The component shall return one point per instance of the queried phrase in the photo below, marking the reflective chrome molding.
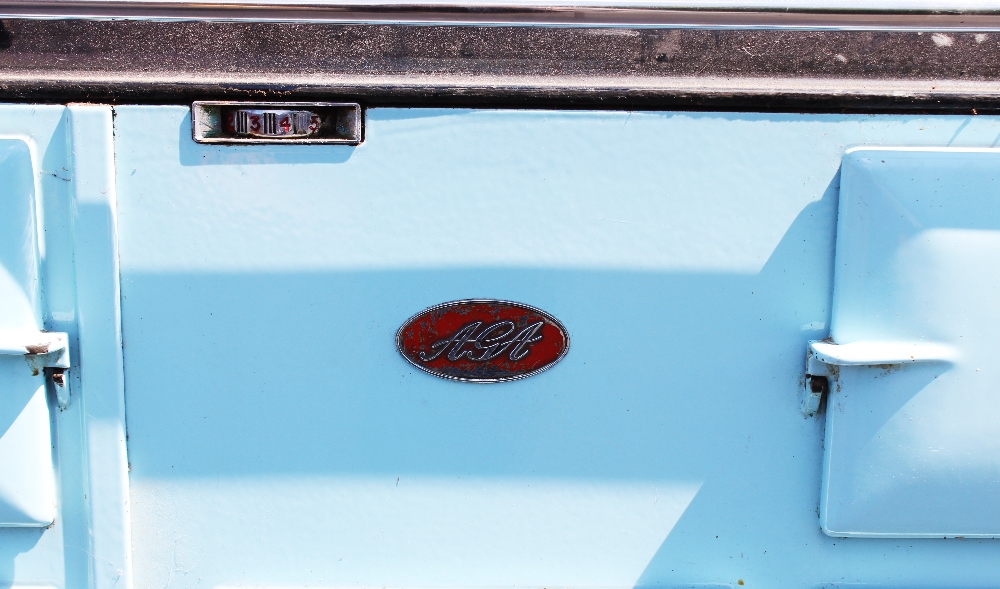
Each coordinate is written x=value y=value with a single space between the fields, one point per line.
x=956 y=15
x=276 y=122
x=668 y=67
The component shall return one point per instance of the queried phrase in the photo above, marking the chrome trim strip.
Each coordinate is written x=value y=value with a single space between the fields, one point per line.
x=499 y=67
x=506 y=14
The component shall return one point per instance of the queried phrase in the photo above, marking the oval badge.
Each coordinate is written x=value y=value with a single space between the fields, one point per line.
x=482 y=340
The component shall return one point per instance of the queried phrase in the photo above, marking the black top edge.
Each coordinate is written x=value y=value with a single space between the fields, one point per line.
x=142 y=61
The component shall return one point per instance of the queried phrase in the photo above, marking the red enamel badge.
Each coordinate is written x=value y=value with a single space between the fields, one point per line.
x=482 y=340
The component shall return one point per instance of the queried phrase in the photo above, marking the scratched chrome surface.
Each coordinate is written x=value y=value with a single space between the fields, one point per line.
x=827 y=14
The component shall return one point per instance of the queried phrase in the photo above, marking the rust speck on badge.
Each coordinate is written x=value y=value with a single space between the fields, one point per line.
x=482 y=340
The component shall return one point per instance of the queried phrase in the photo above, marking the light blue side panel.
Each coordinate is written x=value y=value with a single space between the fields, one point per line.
x=277 y=439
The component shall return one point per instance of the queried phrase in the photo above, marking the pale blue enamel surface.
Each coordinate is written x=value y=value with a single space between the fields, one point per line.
x=912 y=450
x=73 y=289
x=56 y=556
x=27 y=485
x=19 y=285
x=100 y=374
x=278 y=440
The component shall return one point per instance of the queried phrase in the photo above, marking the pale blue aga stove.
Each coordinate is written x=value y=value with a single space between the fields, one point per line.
x=486 y=295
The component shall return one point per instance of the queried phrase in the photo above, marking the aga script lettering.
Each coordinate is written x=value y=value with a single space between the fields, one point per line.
x=492 y=342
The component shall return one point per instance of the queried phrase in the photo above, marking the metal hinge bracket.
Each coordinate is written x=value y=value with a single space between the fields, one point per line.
x=824 y=359
x=44 y=351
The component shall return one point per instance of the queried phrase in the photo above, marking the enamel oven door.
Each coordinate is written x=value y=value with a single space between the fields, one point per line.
x=27 y=483
x=912 y=444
